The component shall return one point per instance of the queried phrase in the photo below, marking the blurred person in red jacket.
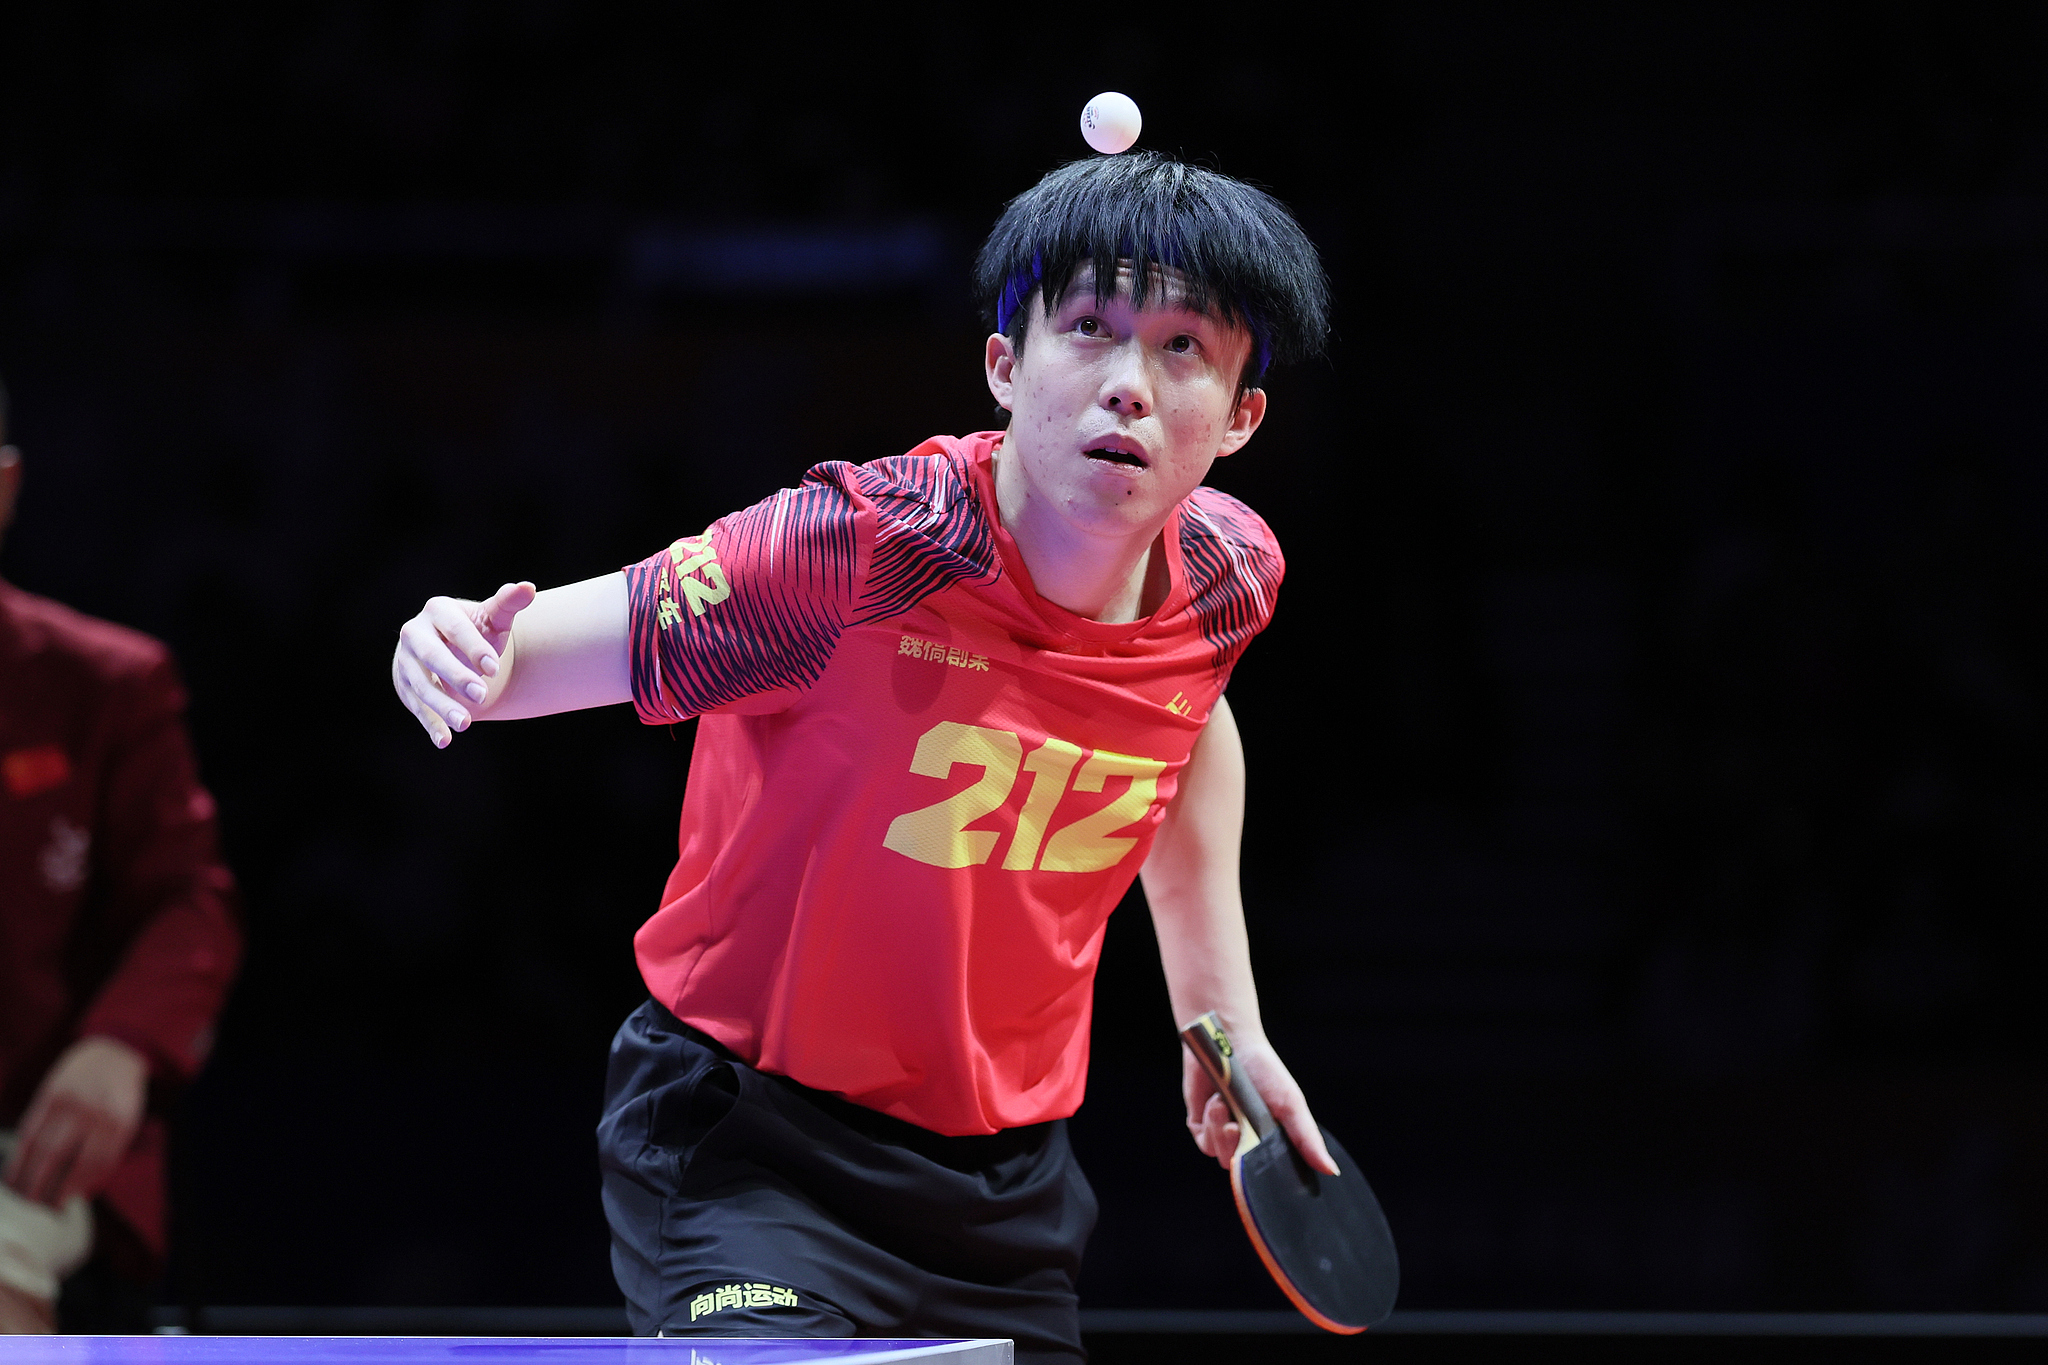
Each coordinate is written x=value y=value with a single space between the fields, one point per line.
x=118 y=940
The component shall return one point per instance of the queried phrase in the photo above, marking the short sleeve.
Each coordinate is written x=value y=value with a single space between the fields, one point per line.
x=747 y=615
x=1234 y=568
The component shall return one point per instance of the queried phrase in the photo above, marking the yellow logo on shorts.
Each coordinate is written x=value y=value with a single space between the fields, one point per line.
x=741 y=1296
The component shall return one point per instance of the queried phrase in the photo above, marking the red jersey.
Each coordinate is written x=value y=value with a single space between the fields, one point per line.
x=918 y=788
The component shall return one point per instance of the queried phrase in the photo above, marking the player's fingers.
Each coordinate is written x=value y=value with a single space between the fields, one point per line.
x=446 y=711
x=446 y=642
x=1196 y=1091
x=459 y=626
x=1219 y=1131
x=1209 y=1117
x=434 y=688
x=1291 y=1110
x=420 y=683
x=1227 y=1133
x=1308 y=1140
x=403 y=670
x=409 y=694
x=428 y=640
x=506 y=603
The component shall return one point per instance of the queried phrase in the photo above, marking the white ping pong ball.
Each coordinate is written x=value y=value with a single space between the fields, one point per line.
x=1111 y=122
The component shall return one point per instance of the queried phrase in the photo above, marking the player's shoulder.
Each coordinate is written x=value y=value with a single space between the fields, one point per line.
x=934 y=477
x=1213 y=523
x=1233 y=570
x=915 y=512
x=926 y=494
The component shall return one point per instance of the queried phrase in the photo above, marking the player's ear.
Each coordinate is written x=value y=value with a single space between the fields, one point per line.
x=1244 y=420
x=999 y=360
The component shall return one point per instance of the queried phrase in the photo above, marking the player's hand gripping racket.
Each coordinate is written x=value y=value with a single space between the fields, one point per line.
x=1323 y=1237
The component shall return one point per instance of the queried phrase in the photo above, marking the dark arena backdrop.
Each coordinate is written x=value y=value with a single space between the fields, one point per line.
x=1648 y=847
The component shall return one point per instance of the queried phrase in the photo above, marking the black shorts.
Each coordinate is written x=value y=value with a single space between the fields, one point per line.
x=743 y=1204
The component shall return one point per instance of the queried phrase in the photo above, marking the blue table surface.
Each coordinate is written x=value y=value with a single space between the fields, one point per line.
x=240 y=1350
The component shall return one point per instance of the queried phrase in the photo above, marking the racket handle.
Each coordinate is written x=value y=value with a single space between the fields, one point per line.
x=1211 y=1046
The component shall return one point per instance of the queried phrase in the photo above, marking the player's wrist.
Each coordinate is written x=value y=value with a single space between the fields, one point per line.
x=1241 y=1022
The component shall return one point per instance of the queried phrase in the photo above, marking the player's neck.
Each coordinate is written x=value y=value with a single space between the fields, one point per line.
x=1117 y=596
x=1104 y=578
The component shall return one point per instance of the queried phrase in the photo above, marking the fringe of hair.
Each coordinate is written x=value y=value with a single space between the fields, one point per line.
x=1238 y=252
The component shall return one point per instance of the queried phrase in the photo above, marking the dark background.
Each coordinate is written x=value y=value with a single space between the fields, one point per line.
x=1645 y=852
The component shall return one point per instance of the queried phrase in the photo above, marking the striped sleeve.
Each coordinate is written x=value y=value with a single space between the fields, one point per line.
x=748 y=614
x=929 y=532
x=1234 y=568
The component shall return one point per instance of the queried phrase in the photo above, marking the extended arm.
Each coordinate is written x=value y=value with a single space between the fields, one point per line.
x=1198 y=913
x=518 y=653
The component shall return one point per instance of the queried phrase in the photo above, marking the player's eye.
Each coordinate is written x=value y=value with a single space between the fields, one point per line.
x=1181 y=345
x=1089 y=327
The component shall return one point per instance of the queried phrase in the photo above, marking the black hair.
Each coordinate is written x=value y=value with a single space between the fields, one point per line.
x=1239 y=253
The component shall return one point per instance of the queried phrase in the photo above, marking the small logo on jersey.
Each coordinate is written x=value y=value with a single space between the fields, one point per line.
x=29 y=771
x=692 y=555
x=1180 y=705
x=942 y=654
x=741 y=1296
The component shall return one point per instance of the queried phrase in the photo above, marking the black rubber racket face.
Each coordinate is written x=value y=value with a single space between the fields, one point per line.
x=1322 y=1237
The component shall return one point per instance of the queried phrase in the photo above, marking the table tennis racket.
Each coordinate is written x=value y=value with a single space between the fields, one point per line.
x=1322 y=1237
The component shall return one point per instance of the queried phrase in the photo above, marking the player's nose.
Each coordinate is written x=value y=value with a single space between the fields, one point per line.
x=1129 y=389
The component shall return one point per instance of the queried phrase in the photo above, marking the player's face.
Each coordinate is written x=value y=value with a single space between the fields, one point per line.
x=1116 y=413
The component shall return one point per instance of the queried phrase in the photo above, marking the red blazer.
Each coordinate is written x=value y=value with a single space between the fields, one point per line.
x=117 y=916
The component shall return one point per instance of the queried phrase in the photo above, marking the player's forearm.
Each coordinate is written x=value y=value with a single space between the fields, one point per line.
x=567 y=652
x=1207 y=960
x=1191 y=884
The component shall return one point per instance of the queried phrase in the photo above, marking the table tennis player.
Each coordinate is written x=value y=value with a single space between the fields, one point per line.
x=118 y=941
x=950 y=703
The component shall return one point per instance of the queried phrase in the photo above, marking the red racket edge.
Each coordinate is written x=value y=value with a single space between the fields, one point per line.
x=1251 y=1228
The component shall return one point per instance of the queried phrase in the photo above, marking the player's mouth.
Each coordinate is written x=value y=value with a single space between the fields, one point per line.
x=1119 y=452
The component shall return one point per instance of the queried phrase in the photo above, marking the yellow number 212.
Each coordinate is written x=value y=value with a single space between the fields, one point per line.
x=938 y=834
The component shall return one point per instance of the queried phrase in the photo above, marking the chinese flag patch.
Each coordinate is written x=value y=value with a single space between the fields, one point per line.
x=28 y=771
